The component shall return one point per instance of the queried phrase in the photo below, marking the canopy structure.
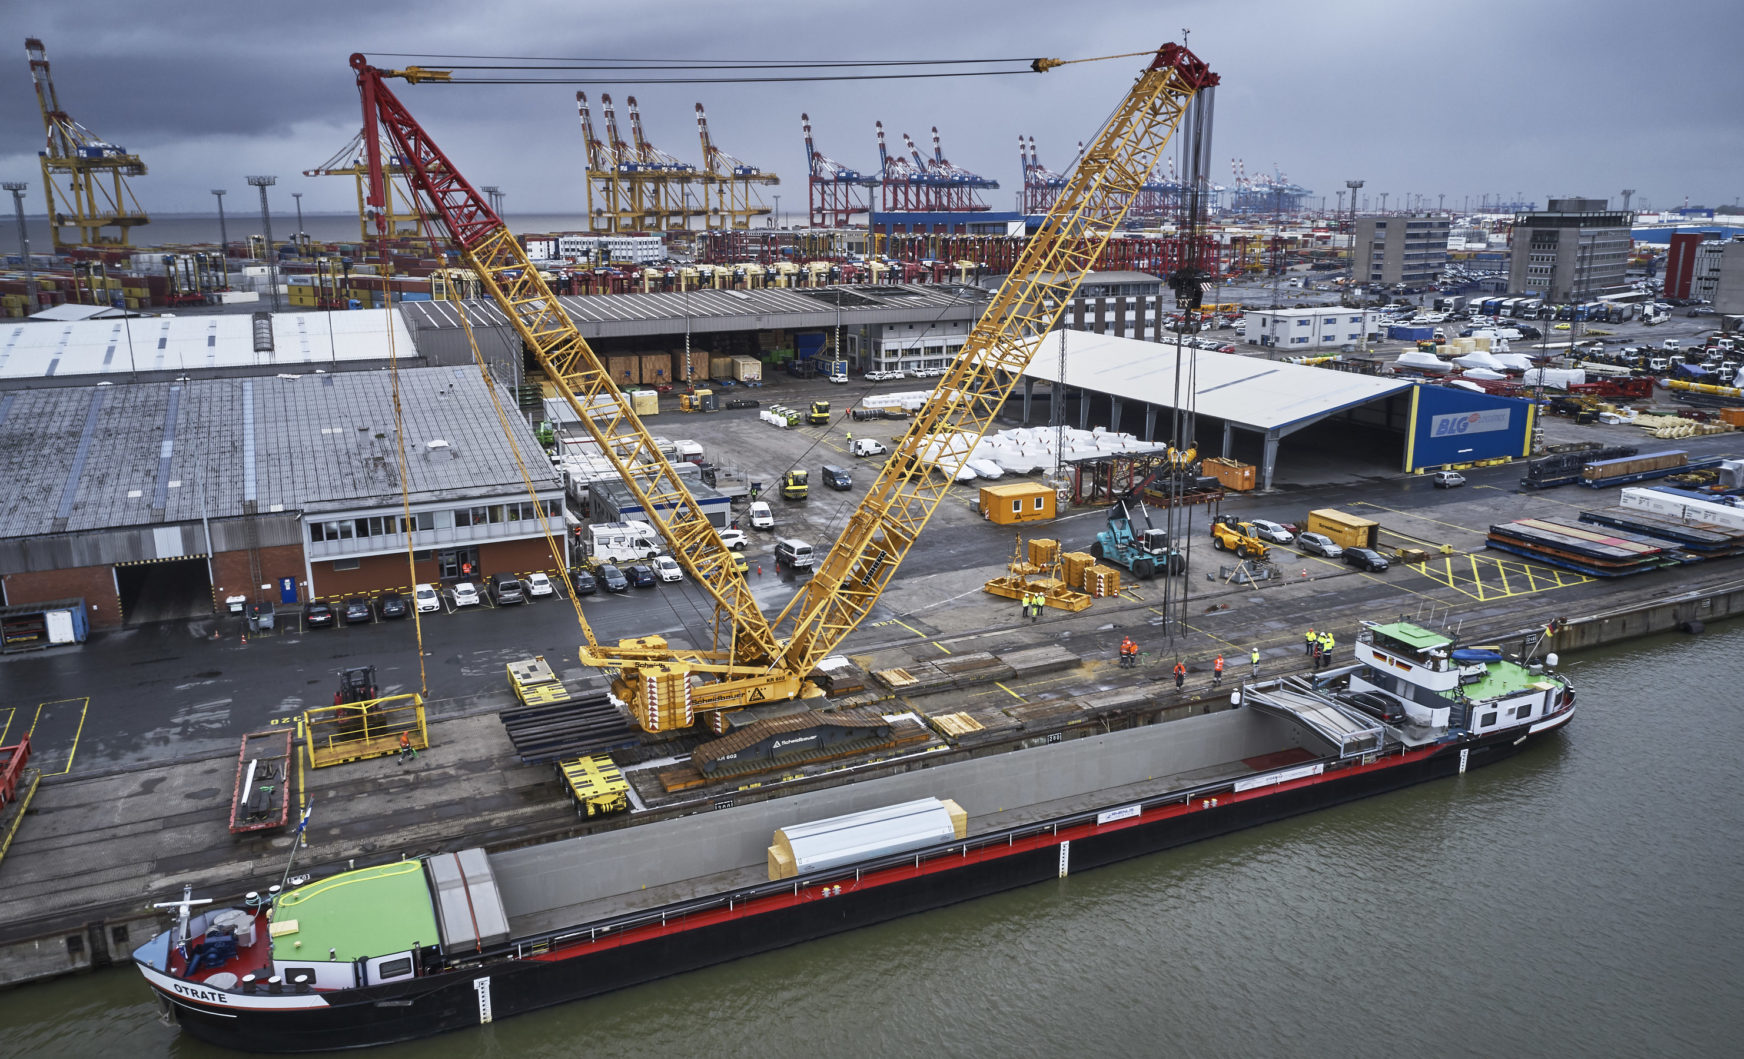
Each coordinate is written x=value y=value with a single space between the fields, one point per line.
x=1269 y=397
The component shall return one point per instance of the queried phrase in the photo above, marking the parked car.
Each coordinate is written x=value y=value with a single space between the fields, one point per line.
x=1380 y=706
x=1447 y=479
x=463 y=594
x=1366 y=559
x=666 y=568
x=260 y=616
x=358 y=611
x=538 y=584
x=1270 y=531
x=640 y=575
x=734 y=539
x=762 y=517
x=612 y=577
x=506 y=588
x=1319 y=544
x=426 y=599
x=867 y=447
x=391 y=605
x=317 y=614
x=583 y=582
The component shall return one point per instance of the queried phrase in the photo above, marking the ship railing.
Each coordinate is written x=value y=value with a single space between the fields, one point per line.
x=611 y=927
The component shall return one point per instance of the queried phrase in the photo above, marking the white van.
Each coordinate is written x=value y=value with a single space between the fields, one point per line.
x=868 y=447
x=620 y=542
x=761 y=516
x=794 y=552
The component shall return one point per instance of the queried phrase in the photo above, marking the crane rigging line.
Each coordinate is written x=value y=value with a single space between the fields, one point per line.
x=703 y=68
x=718 y=80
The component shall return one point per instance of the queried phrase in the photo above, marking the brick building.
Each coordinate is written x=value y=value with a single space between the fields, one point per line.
x=163 y=500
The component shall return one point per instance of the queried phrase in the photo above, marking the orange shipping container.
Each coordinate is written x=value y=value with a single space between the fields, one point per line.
x=1232 y=474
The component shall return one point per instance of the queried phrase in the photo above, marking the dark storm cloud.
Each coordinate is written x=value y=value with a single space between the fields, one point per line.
x=1537 y=96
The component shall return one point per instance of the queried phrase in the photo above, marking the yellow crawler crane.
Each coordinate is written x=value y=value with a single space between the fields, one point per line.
x=751 y=659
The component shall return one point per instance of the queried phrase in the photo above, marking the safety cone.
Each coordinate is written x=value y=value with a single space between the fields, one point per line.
x=245 y=638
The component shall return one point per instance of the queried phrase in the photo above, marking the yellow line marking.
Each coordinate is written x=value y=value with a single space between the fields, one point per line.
x=302 y=787
x=11 y=711
x=920 y=634
x=18 y=817
x=77 y=733
x=1008 y=691
x=1413 y=514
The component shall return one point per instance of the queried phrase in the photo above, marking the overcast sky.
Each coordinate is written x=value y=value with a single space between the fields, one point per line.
x=1541 y=97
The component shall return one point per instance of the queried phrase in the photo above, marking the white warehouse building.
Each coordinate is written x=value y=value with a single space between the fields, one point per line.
x=1309 y=327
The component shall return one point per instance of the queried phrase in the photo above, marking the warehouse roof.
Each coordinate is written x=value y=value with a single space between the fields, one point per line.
x=95 y=457
x=38 y=350
x=605 y=315
x=1258 y=394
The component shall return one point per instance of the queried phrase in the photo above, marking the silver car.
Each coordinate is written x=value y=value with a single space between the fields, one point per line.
x=1318 y=544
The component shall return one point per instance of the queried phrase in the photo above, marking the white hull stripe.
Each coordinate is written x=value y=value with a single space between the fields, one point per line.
x=192 y=994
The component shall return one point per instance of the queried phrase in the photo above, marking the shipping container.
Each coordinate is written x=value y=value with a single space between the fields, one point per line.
x=644 y=402
x=1232 y=474
x=1346 y=531
x=1016 y=502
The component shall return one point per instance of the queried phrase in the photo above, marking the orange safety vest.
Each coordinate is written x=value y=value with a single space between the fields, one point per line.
x=1218 y=665
x=1180 y=669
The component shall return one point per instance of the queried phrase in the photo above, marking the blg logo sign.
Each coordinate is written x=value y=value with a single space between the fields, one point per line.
x=1450 y=426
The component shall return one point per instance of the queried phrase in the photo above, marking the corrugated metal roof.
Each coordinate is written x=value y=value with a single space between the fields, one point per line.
x=598 y=315
x=1248 y=391
x=37 y=350
x=319 y=442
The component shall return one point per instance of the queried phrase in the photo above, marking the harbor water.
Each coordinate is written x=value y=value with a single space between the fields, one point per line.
x=1580 y=899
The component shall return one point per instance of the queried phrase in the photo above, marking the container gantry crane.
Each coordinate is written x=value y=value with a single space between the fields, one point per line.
x=834 y=191
x=734 y=183
x=752 y=658
x=401 y=214
x=95 y=196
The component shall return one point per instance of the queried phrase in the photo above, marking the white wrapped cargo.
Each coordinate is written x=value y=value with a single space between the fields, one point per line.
x=857 y=837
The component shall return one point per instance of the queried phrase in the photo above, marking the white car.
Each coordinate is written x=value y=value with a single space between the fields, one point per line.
x=1271 y=531
x=734 y=539
x=463 y=594
x=761 y=515
x=877 y=376
x=426 y=598
x=666 y=568
x=867 y=447
x=538 y=585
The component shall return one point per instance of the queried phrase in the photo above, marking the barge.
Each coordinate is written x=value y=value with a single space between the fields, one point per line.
x=407 y=949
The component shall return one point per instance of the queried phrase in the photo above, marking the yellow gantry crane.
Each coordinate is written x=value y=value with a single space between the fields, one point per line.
x=734 y=183
x=401 y=212
x=84 y=176
x=751 y=658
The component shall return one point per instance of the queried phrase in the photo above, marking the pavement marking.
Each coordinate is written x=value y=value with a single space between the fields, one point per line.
x=1415 y=515
x=11 y=712
x=1008 y=691
x=302 y=787
x=72 y=747
x=920 y=634
x=1485 y=578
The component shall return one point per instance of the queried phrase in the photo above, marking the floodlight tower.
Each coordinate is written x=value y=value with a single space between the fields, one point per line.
x=272 y=254
x=223 y=236
x=18 y=188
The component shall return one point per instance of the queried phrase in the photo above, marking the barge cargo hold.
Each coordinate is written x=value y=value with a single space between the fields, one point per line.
x=404 y=950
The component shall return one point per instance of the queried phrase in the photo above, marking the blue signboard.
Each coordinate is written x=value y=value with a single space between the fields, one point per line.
x=1452 y=426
